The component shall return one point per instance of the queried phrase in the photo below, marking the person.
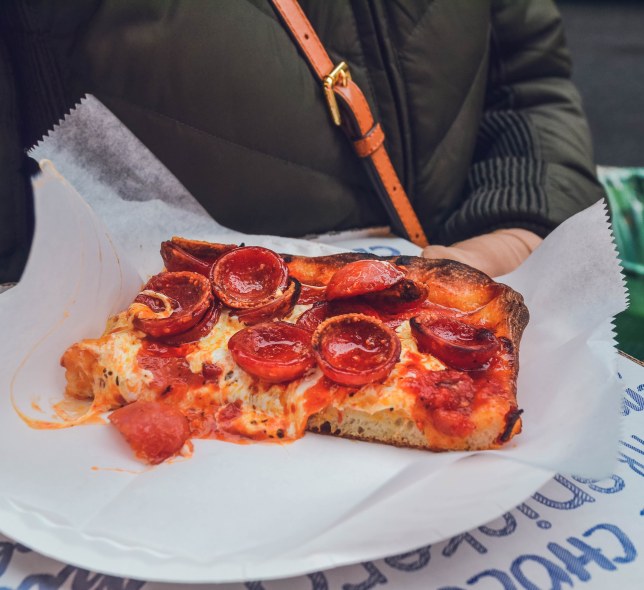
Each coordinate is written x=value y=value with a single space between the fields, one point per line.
x=482 y=122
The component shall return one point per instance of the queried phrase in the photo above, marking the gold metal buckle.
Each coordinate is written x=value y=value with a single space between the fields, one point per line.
x=339 y=75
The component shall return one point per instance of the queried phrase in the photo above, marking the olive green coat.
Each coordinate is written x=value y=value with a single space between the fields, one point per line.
x=482 y=122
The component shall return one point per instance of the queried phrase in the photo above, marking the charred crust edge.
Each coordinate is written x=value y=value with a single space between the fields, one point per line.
x=511 y=419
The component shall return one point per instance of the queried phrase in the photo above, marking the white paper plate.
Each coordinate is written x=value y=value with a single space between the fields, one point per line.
x=460 y=497
x=232 y=512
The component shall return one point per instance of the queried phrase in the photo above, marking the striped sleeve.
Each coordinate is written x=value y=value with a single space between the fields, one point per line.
x=532 y=166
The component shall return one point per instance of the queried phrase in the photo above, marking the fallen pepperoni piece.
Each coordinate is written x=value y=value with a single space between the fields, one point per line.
x=248 y=277
x=403 y=296
x=199 y=330
x=171 y=302
x=311 y=294
x=362 y=276
x=273 y=351
x=313 y=317
x=457 y=344
x=275 y=309
x=155 y=431
x=355 y=349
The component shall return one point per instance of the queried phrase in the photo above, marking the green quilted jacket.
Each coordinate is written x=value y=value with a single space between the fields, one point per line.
x=482 y=122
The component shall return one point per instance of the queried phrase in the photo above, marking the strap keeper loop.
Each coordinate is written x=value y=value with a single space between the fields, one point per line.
x=369 y=143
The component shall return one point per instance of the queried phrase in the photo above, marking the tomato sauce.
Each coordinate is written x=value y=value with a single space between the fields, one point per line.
x=321 y=395
x=443 y=398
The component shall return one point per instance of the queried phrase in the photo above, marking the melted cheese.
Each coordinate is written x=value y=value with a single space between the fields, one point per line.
x=117 y=373
x=262 y=411
x=260 y=400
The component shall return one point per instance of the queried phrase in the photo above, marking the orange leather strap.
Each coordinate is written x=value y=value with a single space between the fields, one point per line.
x=358 y=123
x=367 y=145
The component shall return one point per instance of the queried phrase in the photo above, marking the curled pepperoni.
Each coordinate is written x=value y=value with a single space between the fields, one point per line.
x=248 y=277
x=273 y=351
x=155 y=431
x=171 y=302
x=192 y=255
x=274 y=309
x=313 y=317
x=352 y=305
x=206 y=251
x=362 y=276
x=311 y=294
x=202 y=328
x=403 y=296
x=457 y=344
x=177 y=259
x=354 y=349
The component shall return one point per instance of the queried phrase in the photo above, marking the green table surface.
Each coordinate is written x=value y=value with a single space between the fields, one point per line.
x=630 y=323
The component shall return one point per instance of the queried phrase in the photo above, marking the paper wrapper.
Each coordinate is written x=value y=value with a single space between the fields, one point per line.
x=275 y=510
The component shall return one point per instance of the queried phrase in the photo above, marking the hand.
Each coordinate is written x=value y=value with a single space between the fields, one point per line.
x=496 y=253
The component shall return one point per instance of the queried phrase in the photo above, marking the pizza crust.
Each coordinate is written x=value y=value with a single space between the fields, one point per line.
x=452 y=284
x=391 y=428
x=493 y=428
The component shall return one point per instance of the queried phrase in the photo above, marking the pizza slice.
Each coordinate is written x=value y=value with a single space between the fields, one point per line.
x=242 y=344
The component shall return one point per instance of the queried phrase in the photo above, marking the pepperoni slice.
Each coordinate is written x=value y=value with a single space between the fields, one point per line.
x=177 y=259
x=193 y=255
x=202 y=328
x=313 y=317
x=355 y=349
x=457 y=344
x=172 y=302
x=273 y=351
x=352 y=305
x=362 y=276
x=275 y=309
x=155 y=431
x=403 y=296
x=248 y=277
x=311 y=294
